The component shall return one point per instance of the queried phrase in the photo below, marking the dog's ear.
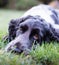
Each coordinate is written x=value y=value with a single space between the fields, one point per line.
x=43 y=29
x=50 y=34
x=53 y=34
x=14 y=25
x=12 y=29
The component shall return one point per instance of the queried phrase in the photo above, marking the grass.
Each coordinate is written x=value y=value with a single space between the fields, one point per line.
x=42 y=55
x=47 y=54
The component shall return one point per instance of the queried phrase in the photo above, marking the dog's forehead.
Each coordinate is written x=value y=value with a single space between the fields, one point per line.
x=28 y=22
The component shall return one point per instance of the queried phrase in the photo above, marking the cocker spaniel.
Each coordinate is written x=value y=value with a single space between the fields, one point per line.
x=40 y=23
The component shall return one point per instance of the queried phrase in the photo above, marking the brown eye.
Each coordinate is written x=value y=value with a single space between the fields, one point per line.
x=24 y=28
x=36 y=36
x=34 y=33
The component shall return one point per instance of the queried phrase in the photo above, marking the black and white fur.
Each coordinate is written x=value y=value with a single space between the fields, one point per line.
x=41 y=20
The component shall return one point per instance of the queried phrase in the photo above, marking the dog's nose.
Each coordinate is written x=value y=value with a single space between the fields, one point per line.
x=22 y=49
x=16 y=50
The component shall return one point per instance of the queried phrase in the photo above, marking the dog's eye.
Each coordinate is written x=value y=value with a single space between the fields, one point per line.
x=23 y=28
x=34 y=33
x=36 y=36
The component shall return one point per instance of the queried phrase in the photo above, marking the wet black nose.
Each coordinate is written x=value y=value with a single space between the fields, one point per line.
x=19 y=48
x=16 y=50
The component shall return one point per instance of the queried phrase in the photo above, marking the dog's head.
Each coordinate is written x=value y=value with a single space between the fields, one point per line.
x=29 y=29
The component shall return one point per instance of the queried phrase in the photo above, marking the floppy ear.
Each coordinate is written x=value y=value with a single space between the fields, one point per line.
x=53 y=34
x=13 y=27
x=12 y=30
x=43 y=30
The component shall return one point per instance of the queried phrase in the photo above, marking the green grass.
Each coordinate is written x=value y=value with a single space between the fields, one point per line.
x=47 y=54
x=42 y=55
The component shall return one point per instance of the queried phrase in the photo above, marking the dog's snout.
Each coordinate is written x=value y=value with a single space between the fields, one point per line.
x=22 y=49
x=16 y=50
x=19 y=48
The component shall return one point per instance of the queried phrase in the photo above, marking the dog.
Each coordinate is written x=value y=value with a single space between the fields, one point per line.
x=40 y=23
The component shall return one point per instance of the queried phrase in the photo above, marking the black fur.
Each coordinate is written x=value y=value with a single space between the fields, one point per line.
x=22 y=32
x=35 y=25
x=47 y=30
